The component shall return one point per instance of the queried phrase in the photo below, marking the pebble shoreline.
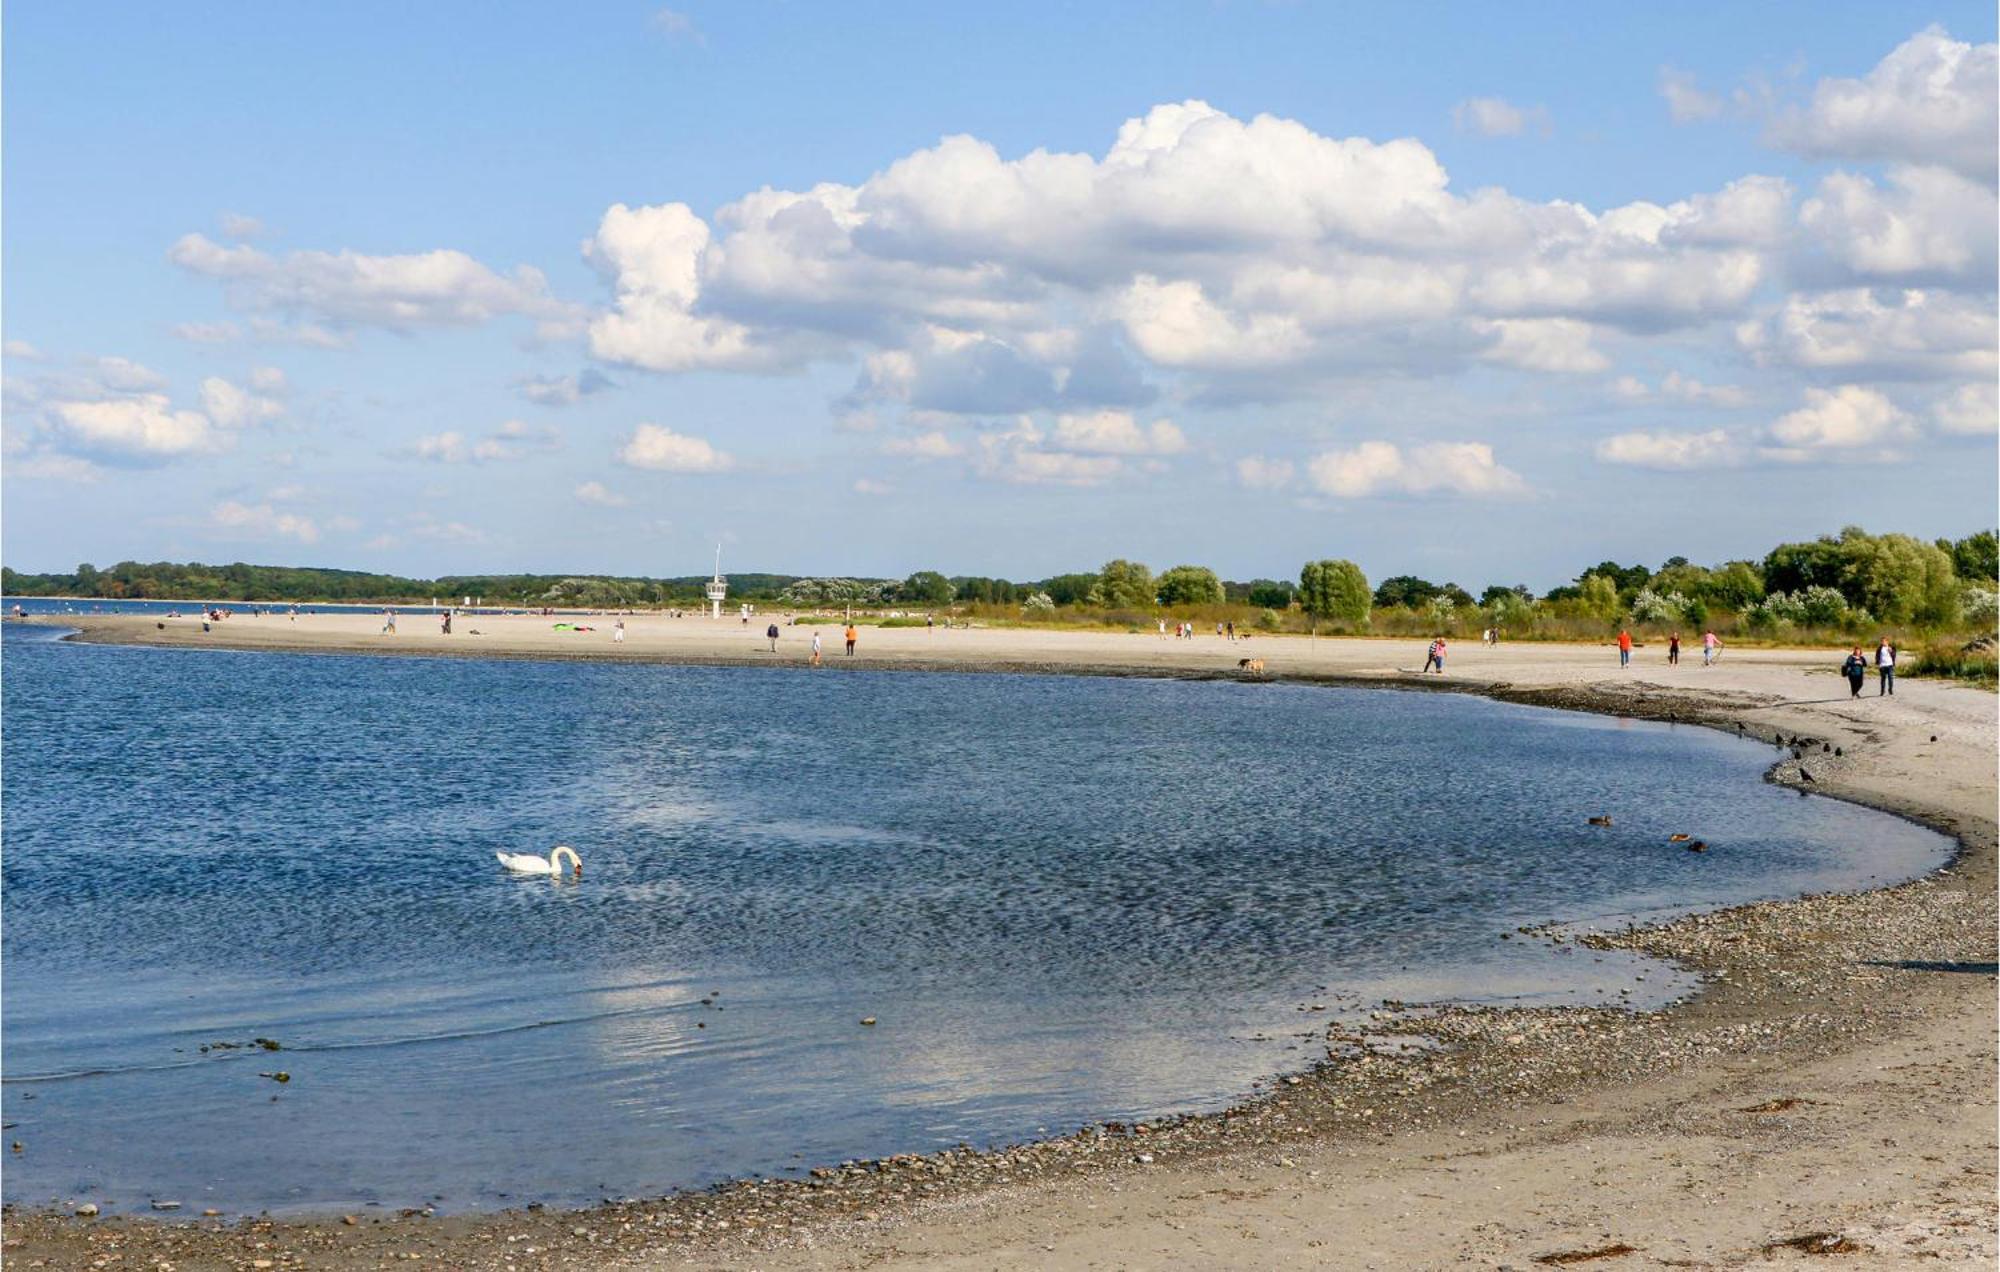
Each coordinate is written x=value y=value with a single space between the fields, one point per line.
x=1784 y=982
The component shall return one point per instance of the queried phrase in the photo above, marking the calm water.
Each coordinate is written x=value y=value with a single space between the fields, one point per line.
x=1064 y=900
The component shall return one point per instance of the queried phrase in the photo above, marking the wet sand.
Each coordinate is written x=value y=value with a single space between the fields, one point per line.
x=1831 y=1090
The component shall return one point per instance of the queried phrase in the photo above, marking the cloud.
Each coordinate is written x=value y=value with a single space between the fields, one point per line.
x=655 y=447
x=1672 y=452
x=1259 y=473
x=1925 y=224
x=1543 y=344
x=869 y=486
x=1971 y=409
x=1238 y=257
x=1497 y=117
x=122 y=375
x=1686 y=103
x=1382 y=468
x=1117 y=433
x=678 y=26
x=594 y=492
x=143 y=429
x=1684 y=390
x=1908 y=333
x=512 y=440
x=239 y=227
x=52 y=466
x=1932 y=100
x=262 y=521
x=563 y=390
x=232 y=406
x=1845 y=418
x=931 y=445
x=349 y=289
x=23 y=350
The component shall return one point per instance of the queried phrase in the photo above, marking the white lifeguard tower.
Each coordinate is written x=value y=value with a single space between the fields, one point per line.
x=717 y=588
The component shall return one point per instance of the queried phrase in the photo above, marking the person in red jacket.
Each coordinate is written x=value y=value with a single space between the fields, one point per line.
x=1624 y=647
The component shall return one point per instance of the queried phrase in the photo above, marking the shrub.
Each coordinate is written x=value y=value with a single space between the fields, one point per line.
x=1653 y=607
x=1040 y=605
x=1980 y=607
x=1268 y=621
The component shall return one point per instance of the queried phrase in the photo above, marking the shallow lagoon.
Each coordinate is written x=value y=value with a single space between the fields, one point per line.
x=1063 y=899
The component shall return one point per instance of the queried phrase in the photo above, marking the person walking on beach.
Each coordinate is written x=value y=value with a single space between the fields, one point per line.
x=1674 y=650
x=1711 y=649
x=1430 y=657
x=1856 y=671
x=1437 y=654
x=444 y=622
x=1624 y=647
x=815 y=652
x=1885 y=668
x=771 y=634
x=388 y=622
x=851 y=635
x=618 y=631
x=1231 y=625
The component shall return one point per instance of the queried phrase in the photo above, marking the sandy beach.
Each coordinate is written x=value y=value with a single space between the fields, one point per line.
x=1830 y=1091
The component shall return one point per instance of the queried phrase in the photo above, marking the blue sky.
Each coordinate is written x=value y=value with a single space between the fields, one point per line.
x=1479 y=293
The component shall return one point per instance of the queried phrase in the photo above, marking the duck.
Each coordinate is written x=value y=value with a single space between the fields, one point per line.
x=1678 y=838
x=1600 y=821
x=529 y=863
x=1697 y=846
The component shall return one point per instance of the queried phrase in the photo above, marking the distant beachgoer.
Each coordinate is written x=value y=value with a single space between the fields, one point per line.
x=771 y=633
x=815 y=650
x=618 y=632
x=930 y=624
x=445 y=622
x=1430 y=657
x=1624 y=648
x=851 y=635
x=1437 y=655
x=1885 y=668
x=1231 y=625
x=1674 y=650
x=1710 y=646
x=1163 y=629
x=1856 y=671
x=388 y=622
x=295 y=613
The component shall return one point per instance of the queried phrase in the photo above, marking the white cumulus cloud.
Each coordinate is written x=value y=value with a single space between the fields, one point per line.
x=1932 y=100
x=656 y=447
x=262 y=521
x=1844 y=418
x=595 y=492
x=1260 y=473
x=1116 y=433
x=1672 y=452
x=1498 y=117
x=1383 y=468
x=1972 y=409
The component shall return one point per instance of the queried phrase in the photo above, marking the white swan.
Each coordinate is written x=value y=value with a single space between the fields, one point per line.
x=529 y=863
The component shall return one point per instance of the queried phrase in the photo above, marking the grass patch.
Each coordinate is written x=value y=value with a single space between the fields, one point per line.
x=1973 y=663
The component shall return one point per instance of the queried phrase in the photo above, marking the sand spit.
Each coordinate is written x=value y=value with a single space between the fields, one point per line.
x=1829 y=1093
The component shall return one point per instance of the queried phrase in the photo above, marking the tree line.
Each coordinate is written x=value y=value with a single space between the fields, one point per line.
x=1843 y=579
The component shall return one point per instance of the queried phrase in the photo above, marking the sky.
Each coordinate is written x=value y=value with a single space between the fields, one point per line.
x=1479 y=293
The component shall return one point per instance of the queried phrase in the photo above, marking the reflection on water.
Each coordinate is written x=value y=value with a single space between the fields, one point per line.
x=1062 y=900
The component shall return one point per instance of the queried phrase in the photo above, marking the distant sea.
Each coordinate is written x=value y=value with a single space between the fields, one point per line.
x=1062 y=900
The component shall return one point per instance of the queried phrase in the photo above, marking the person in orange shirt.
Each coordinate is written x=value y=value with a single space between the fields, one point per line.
x=851 y=635
x=1624 y=647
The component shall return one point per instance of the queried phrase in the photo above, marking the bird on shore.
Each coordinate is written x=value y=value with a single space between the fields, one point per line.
x=529 y=863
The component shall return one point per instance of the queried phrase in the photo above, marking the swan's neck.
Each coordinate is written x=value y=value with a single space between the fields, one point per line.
x=564 y=850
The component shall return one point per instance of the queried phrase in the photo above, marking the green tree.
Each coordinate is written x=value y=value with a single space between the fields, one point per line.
x=1599 y=597
x=1794 y=567
x=1899 y=579
x=1976 y=557
x=926 y=587
x=1406 y=590
x=1335 y=590
x=1189 y=585
x=1069 y=589
x=1735 y=586
x=1271 y=594
x=1125 y=585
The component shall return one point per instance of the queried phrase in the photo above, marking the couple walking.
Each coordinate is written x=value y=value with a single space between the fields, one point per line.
x=1856 y=670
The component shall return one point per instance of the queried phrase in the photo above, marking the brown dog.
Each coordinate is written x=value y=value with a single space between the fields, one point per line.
x=1255 y=666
